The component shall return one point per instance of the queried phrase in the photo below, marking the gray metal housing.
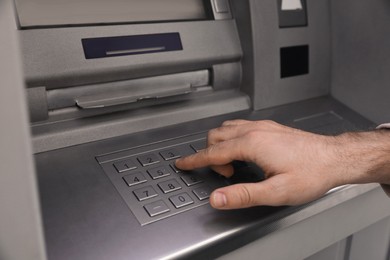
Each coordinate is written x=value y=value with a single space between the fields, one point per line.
x=83 y=215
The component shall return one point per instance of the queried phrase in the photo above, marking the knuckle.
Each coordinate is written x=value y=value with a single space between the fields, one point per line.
x=252 y=140
x=252 y=134
x=212 y=133
x=267 y=123
x=244 y=196
x=210 y=150
x=210 y=137
x=228 y=122
x=215 y=135
x=235 y=122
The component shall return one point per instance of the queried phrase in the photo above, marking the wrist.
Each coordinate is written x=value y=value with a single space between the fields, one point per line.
x=363 y=157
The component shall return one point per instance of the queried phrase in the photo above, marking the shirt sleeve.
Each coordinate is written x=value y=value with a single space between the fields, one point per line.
x=382 y=126
x=385 y=187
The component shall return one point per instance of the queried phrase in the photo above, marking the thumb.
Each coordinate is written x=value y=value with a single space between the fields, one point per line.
x=249 y=195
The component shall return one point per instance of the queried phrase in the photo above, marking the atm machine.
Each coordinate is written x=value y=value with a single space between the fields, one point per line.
x=117 y=90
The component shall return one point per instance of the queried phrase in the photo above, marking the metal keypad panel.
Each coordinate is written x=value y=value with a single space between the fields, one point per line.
x=152 y=186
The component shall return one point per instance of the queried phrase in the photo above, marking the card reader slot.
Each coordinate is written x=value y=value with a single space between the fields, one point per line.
x=104 y=47
x=132 y=51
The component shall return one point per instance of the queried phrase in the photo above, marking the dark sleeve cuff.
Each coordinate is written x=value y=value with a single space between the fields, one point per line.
x=386 y=188
x=384 y=126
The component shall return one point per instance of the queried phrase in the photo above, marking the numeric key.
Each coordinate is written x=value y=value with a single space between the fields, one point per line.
x=169 y=186
x=156 y=208
x=199 y=145
x=125 y=165
x=191 y=179
x=170 y=154
x=148 y=159
x=134 y=179
x=159 y=172
x=145 y=193
x=181 y=200
x=203 y=192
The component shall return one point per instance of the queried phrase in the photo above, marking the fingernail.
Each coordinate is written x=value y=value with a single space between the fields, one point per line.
x=219 y=199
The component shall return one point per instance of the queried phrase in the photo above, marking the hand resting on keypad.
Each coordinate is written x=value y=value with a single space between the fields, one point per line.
x=299 y=166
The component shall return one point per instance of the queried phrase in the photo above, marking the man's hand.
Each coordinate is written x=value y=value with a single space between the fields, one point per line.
x=299 y=166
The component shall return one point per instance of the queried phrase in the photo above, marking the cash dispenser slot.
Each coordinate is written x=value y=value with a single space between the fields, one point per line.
x=122 y=98
x=119 y=95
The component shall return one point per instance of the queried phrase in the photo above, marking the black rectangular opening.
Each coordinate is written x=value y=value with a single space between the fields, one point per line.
x=294 y=61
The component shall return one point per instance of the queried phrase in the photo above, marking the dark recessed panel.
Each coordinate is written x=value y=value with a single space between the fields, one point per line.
x=294 y=61
x=131 y=45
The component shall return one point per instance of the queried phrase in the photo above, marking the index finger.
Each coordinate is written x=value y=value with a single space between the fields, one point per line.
x=218 y=154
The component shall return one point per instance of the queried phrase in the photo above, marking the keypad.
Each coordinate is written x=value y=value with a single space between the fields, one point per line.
x=153 y=187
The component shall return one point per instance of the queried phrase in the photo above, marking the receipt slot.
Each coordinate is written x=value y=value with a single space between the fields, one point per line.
x=292 y=13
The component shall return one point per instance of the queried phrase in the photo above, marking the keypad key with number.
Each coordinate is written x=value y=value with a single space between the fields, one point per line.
x=125 y=165
x=191 y=179
x=159 y=172
x=170 y=154
x=199 y=145
x=145 y=193
x=148 y=159
x=156 y=208
x=175 y=169
x=202 y=192
x=181 y=200
x=169 y=186
x=134 y=179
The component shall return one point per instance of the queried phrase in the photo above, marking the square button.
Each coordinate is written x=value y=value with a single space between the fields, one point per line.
x=175 y=169
x=145 y=193
x=170 y=154
x=125 y=165
x=159 y=172
x=191 y=179
x=199 y=145
x=156 y=208
x=134 y=179
x=148 y=159
x=169 y=186
x=203 y=192
x=181 y=200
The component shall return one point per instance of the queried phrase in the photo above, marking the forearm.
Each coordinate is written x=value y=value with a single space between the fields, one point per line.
x=365 y=157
